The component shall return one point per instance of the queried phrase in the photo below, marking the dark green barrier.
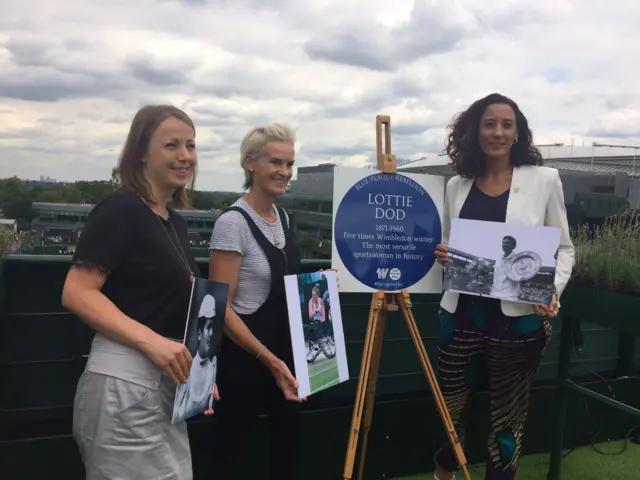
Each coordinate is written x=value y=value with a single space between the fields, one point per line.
x=32 y=315
x=1 y=283
x=43 y=350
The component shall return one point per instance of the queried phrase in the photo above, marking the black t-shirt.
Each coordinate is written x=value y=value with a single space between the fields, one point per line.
x=480 y=206
x=147 y=277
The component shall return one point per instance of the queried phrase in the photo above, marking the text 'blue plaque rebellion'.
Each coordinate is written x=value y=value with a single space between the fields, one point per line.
x=386 y=229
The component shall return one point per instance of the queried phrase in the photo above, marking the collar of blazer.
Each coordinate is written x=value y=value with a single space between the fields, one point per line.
x=528 y=191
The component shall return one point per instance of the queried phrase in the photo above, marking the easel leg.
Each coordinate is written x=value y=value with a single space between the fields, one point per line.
x=405 y=306
x=356 y=419
x=372 y=383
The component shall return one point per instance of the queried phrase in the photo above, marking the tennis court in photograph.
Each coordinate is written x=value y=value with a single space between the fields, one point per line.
x=323 y=373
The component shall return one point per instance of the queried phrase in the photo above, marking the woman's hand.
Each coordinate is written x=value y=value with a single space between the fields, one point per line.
x=216 y=396
x=547 y=311
x=286 y=381
x=172 y=357
x=441 y=253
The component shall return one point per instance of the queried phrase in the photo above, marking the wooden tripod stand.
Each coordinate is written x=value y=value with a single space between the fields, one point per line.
x=381 y=302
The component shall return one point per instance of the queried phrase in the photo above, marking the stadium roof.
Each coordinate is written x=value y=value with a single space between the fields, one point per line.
x=298 y=197
x=596 y=165
x=86 y=207
x=62 y=207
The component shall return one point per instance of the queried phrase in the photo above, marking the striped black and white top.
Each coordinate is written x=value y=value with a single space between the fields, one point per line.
x=231 y=233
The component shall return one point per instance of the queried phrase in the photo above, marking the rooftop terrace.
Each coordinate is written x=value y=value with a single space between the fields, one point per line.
x=43 y=350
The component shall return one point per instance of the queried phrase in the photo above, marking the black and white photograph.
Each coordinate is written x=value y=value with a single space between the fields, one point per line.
x=203 y=333
x=503 y=261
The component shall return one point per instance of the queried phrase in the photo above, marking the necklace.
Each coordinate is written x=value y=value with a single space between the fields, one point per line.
x=274 y=233
x=179 y=251
x=273 y=227
x=176 y=247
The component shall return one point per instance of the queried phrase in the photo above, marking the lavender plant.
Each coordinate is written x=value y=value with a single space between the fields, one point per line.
x=608 y=257
x=6 y=242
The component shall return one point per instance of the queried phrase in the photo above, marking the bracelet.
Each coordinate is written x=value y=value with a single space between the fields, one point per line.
x=261 y=350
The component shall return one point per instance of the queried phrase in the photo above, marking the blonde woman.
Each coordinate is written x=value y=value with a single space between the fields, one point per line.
x=253 y=246
x=316 y=306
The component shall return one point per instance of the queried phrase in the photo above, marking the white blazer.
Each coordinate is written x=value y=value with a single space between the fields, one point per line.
x=536 y=198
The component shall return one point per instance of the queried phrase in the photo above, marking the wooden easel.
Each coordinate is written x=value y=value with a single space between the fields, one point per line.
x=381 y=303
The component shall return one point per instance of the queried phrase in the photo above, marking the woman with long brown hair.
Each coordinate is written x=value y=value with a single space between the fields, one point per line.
x=130 y=281
x=500 y=178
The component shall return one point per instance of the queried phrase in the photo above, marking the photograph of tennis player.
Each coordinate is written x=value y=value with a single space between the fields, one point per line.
x=202 y=337
x=317 y=335
x=503 y=261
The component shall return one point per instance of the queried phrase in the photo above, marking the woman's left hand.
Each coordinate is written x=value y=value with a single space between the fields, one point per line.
x=547 y=311
x=286 y=382
x=216 y=396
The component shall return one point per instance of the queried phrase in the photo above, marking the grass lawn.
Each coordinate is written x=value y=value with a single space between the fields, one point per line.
x=323 y=373
x=582 y=464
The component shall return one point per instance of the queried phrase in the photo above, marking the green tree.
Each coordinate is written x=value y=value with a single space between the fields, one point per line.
x=15 y=200
x=115 y=180
x=51 y=196
x=89 y=192
x=206 y=201
x=16 y=196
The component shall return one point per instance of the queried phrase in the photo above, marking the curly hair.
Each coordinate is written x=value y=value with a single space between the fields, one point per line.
x=463 y=146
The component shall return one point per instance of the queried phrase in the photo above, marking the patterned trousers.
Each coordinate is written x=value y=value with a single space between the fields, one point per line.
x=511 y=349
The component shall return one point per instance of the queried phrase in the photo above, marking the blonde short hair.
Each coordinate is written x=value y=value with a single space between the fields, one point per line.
x=255 y=141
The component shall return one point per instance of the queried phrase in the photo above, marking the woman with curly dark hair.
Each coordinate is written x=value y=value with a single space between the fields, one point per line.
x=500 y=178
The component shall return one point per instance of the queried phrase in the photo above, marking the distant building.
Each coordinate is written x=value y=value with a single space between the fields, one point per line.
x=309 y=199
x=582 y=177
x=594 y=187
x=316 y=181
x=617 y=175
x=62 y=223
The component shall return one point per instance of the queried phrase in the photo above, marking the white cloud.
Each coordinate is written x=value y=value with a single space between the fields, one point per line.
x=74 y=73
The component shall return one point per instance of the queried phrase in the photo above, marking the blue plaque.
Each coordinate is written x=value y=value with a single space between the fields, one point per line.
x=386 y=230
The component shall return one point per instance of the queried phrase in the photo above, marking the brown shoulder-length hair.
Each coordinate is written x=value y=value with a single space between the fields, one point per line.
x=130 y=166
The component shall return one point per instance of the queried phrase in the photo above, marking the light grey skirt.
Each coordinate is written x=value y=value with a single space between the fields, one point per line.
x=122 y=418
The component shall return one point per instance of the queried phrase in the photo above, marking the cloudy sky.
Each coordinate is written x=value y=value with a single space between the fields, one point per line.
x=73 y=73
